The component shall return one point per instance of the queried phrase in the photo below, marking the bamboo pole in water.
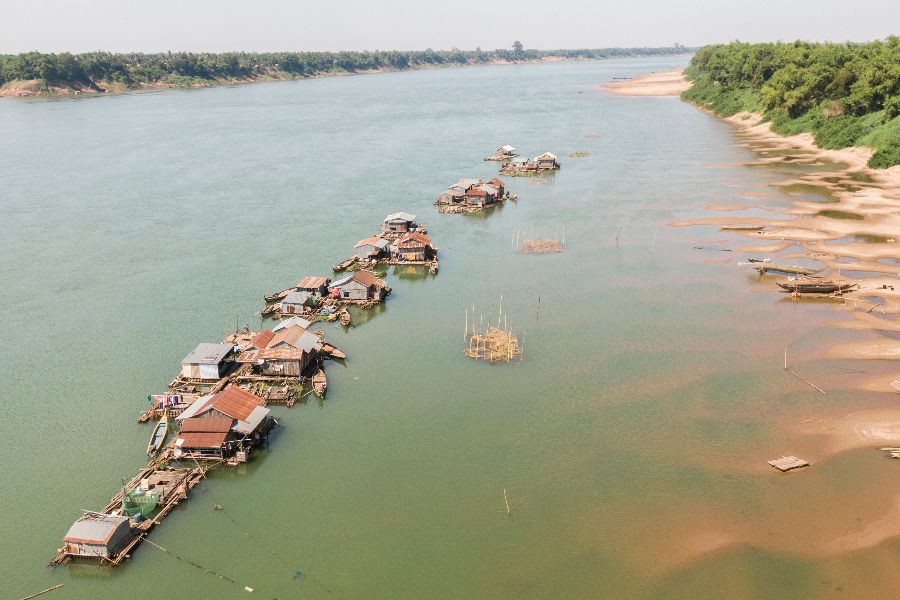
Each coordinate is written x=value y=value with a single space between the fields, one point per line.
x=42 y=592
x=506 y=500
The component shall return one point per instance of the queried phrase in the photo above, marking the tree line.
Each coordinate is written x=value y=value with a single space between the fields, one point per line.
x=135 y=69
x=844 y=94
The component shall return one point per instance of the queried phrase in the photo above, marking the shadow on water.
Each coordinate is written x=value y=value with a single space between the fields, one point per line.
x=412 y=272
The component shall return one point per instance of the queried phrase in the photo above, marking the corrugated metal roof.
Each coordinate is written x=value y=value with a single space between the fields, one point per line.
x=299 y=321
x=208 y=354
x=506 y=148
x=205 y=440
x=400 y=216
x=369 y=241
x=206 y=425
x=197 y=406
x=261 y=339
x=252 y=421
x=296 y=298
x=288 y=336
x=94 y=529
x=235 y=402
x=280 y=354
x=248 y=356
x=546 y=156
x=312 y=282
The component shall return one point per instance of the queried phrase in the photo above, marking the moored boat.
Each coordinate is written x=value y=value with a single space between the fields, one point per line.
x=815 y=285
x=159 y=435
x=763 y=265
x=319 y=383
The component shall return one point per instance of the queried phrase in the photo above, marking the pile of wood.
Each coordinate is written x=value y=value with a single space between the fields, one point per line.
x=540 y=246
x=495 y=345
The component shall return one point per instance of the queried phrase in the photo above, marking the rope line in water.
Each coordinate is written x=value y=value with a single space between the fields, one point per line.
x=297 y=572
x=199 y=566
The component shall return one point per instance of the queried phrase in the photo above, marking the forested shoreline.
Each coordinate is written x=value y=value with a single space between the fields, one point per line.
x=844 y=94
x=102 y=71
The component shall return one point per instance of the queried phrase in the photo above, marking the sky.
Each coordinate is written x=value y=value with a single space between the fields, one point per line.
x=282 y=25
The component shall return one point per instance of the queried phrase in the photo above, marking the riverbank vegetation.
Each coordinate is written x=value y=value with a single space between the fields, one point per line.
x=843 y=94
x=101 y=71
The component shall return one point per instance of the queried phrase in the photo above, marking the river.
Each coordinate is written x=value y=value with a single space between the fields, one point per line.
x=631 y=440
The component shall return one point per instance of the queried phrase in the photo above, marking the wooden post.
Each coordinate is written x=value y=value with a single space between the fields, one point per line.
x=785 y=358
x=506 y=501
x=617 y=235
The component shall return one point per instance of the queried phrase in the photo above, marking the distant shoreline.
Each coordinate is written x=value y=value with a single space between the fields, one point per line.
x=101 y=85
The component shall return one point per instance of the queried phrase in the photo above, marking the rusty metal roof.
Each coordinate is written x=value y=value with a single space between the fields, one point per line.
x=206 y=425
x=203 y=439
x=313 y=282
x=261 y=339
x=281 y=354
x=235 y=402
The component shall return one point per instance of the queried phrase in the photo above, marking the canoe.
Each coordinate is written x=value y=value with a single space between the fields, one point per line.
x=319 y=383
x=277 y=296
x=159 y=435
x=764 y=266
x=332 y=351
x=815 y=285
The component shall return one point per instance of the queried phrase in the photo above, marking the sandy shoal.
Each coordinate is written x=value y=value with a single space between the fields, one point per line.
x=663 y=83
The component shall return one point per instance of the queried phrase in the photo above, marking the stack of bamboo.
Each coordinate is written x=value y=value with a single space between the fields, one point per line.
x=541 y=246
x=494 y=345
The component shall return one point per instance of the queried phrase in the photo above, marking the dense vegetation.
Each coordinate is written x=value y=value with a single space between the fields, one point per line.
x=844 y=94
x=94 y=69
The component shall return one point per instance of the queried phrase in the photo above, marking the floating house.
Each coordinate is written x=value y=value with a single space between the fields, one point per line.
x=208 y=361
x=205 y=438
x=399 y=222
x=288 y=352
x=246 y=415
x=296 y=302
x=413 y=247
x=315 y=286
x=503 y=153
x=522 y=167
x=98 y=535
x=371 y=248
x=546 y=161
x=474 y=193
x=359 y=286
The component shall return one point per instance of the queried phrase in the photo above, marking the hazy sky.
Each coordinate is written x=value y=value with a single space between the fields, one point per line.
x=216 y=25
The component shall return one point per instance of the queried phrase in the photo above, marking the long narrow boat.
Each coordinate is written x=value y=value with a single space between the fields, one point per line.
x=763 y=266
x=319 y=383
x=159 y=435
x=815 y=285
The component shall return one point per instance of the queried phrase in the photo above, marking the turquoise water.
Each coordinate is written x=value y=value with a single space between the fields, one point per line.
x=138 y=225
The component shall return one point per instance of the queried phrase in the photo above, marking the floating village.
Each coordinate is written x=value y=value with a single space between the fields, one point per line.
x=216 y=410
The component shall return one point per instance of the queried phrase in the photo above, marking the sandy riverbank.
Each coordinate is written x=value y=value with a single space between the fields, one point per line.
x=663 y=83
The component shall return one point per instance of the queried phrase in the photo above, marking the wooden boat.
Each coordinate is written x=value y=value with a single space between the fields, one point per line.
x=277 y=296
x=344 y=317
x=270 y=309
x=343 y=266
x=742 y=227
x=332 y=351
x=815 y=285
x=763 y=266
x=159 y=435
x=319 y=383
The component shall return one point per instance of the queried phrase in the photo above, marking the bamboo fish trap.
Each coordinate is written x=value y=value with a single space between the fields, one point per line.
x=494 y=345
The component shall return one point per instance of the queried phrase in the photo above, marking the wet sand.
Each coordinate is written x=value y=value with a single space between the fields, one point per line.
x=664 y=83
